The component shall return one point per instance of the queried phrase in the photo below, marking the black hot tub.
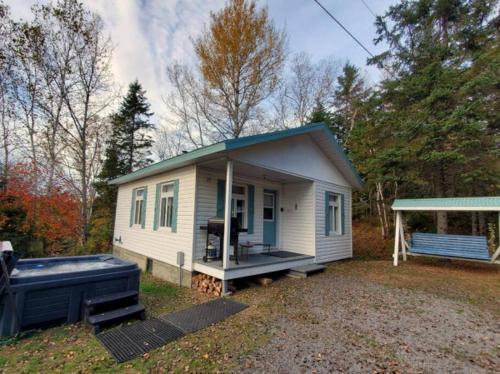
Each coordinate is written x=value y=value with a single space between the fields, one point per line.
x=50 y=291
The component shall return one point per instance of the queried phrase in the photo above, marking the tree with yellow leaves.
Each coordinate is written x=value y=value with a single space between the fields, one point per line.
x=241 y=57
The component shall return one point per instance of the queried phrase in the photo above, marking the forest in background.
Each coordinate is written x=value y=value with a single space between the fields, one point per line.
x=429 y=128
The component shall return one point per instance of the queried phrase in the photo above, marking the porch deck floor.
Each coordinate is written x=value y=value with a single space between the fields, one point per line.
x=254 y=260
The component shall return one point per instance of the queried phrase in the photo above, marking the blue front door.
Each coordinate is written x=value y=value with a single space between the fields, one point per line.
x=270 y=217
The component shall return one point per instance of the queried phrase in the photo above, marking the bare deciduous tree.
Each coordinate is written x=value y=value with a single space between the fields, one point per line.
x=87 y=96
x=306 y=84
x=169 y=142
x=60 y=83
x=187 y=107
x=55 y=67
x=6 y=102
x=25 y=45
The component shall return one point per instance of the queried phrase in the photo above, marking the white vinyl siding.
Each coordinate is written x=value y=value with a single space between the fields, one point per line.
x=299 y=155
x=297 y=226
x=299 y=213
x=162 y=244
x=336 y=246
x=206 y=206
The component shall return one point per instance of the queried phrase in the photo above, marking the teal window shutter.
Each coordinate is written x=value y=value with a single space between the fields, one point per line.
x=342 y=213
x=327 y=213
x=132 y=208
x=251 y=198
x=221 y=192
x=144 y=203
x=157 y=207
x=175 y=205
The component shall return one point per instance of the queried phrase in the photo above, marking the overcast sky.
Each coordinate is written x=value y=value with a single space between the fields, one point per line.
x=150 y=34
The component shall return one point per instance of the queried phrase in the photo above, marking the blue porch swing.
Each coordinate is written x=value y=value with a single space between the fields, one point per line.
x=459 y=247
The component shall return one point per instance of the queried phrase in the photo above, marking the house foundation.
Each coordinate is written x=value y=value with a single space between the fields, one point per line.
x=159 y=269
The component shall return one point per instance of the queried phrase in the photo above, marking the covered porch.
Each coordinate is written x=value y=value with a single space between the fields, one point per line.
x=254 y=264
x=271 y=200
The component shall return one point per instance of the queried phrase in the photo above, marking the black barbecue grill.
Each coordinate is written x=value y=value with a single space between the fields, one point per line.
x=215 y=227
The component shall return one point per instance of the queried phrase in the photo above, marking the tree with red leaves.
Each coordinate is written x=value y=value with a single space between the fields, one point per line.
x=28 y=215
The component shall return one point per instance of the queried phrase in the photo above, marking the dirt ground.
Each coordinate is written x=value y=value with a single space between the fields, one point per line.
x=358 y=316
x=350 y=323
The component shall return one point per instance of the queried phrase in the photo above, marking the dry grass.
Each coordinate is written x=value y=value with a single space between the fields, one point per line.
x=73 y=348
x=368 y=316
x=368 y=243
x=467 y=282
x=476 y=283
x=220 y=348
x=70 y=349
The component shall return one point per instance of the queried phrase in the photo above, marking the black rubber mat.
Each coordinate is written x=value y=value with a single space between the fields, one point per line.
x=200 y=316
x=132 y=341
x=284 y=254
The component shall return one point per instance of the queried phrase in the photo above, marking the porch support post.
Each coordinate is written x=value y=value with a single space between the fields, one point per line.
x=227 y=213
x=397 y=238
x=225 y=288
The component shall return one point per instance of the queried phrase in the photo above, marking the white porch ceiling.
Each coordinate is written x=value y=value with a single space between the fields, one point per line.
x=243 y=169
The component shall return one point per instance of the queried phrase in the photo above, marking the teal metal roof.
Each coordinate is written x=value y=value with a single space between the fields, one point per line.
x=488 y=203
x=233 y=144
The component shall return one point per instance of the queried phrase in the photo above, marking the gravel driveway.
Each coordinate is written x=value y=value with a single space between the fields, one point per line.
x=346 y=324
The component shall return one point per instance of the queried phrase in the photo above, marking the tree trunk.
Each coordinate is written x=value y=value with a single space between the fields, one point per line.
x=380 y=219
x=5 y=170
x=482 y=223
x=84 y=191
x=442 y=217
x=380 y=214
x=131 y=150
x=383 y=217
x=52 y=146
x=442 y=222
x=6 y=158
x=474 y=223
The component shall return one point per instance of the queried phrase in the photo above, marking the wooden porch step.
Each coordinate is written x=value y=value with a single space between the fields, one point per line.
x=117 y=315
x=305 y=271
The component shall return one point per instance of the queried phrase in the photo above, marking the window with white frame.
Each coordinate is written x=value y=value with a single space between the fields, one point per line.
x=334 y=213
x=166 y=205
x=239 y=205
x=268 y=206
x=139 y=202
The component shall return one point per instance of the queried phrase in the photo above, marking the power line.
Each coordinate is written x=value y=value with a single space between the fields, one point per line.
x=379 y=64
x=369 y=9
x=344 y=28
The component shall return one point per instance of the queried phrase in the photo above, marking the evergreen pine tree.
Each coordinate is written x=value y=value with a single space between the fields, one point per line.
x=132 y=138
x=349 y=96
x=112 y=167
x=320 y=114
x=430 y=128
x=128 y=148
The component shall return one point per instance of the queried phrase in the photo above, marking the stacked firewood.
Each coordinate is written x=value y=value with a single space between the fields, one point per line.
x=207 y=284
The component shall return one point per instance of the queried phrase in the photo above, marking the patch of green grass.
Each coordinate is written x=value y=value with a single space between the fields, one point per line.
x=73 y=348
x=152 y=287
x=472 y=300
